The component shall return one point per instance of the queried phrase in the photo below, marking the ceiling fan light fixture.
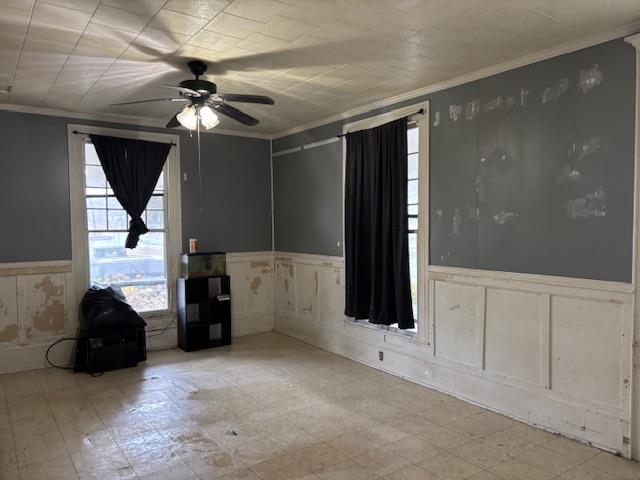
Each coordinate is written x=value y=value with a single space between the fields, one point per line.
x=188 y=117
x=208 y=117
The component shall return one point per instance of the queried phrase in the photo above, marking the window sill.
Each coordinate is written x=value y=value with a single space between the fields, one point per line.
x=153 y=314
x=394 y=333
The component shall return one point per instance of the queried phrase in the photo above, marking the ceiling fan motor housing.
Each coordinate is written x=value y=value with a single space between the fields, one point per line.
x=199 y=85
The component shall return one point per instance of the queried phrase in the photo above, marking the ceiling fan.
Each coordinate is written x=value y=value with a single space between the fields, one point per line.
x=203 y=101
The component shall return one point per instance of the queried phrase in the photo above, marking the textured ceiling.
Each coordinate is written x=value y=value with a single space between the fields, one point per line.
x=316 y=58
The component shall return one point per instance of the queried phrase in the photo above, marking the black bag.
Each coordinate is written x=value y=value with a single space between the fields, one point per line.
x=106 y=309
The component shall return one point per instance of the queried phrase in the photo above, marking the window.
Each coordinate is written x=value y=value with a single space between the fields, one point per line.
x=140 y=272
x=417 y=207
x=413 y=162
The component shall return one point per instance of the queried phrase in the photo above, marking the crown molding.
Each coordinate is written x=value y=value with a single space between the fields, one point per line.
x=566 y=47
x=634 y=40
x=121 y=119
x=628 y=32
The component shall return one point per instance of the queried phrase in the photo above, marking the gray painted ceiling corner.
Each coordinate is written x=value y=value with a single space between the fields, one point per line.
x=316 y=59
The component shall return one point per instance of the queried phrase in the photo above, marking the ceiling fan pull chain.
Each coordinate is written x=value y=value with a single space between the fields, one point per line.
x=199 y=164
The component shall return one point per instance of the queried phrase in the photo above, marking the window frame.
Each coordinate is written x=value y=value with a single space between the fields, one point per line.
x=425 y=330
x=79 y=227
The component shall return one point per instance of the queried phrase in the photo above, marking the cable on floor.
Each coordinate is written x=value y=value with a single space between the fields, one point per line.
x=46 y=355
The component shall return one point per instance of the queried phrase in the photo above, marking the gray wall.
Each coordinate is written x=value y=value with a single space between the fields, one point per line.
x=298 y=237
x=236 y=193
x=34 y=189
x=307 y=193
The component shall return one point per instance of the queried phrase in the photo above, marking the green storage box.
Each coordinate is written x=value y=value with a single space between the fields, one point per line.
x=203 y=264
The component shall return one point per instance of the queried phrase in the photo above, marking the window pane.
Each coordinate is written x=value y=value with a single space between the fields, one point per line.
x=412 y=140
x=413 y=223
x=412 y=209
x=140 y=272
x=413 y=271
x=95 y=177
x=412 y=171
x=96 y=202
x=155 y=219
x=156 y=202
x=112 y=202
x=118 y=220
x=413 y=191
x=90 y=155
x=160 y=185
x=96 y=219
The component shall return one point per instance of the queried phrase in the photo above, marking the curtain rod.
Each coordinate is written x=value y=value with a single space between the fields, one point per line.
x=418 y=112
x=76 y=132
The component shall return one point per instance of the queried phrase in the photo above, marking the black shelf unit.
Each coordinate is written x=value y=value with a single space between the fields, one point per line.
x=204 y=312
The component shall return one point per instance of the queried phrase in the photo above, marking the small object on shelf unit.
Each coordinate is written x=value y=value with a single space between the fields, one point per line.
x=193 y=245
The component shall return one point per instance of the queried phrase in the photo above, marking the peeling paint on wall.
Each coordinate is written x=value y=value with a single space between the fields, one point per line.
x=590 y=78
x=260 y=264
x=555 y=91
x=592 y=204
x=9 y=333
x=454 y=112
x=48 y=317
x=493 y=104
x=255 y=285
x=472 y=109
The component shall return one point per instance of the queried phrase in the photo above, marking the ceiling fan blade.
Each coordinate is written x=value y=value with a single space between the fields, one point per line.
x=150 y=100
x=184 y=90
x=236 y=114
x=238 y=97
x=173 y=123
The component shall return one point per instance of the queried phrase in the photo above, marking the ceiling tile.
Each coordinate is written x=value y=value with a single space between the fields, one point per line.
x=19 y=4
x=13 y=27
x=258 y=10
x=177 y=22
x=159 y=42
x=312 y=12
x=232 y=25
x=52 y=35
x=125 y=20
x=286 y=29
x=146 y=8
x=52 y=17
x=214 y=41
x=198 y=8
x=88 y=6
x=256 y=42
x=315 y=57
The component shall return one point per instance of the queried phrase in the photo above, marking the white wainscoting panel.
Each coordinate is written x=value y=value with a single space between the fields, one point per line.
x=552 y=352
x=252 y=296
x=34 y=312
x=512 y=335
x=37 y=307
x=587 y=348
x=457 y=332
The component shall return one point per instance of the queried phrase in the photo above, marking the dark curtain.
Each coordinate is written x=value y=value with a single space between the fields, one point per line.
x=132 y=168
x=378 y=287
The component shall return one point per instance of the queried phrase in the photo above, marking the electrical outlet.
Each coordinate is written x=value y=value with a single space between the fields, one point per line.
x=381 y=355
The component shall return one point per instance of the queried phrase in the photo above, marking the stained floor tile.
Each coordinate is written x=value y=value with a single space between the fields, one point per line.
x=269 y=408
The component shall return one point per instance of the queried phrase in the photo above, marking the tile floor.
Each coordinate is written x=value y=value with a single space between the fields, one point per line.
x=271 y=408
